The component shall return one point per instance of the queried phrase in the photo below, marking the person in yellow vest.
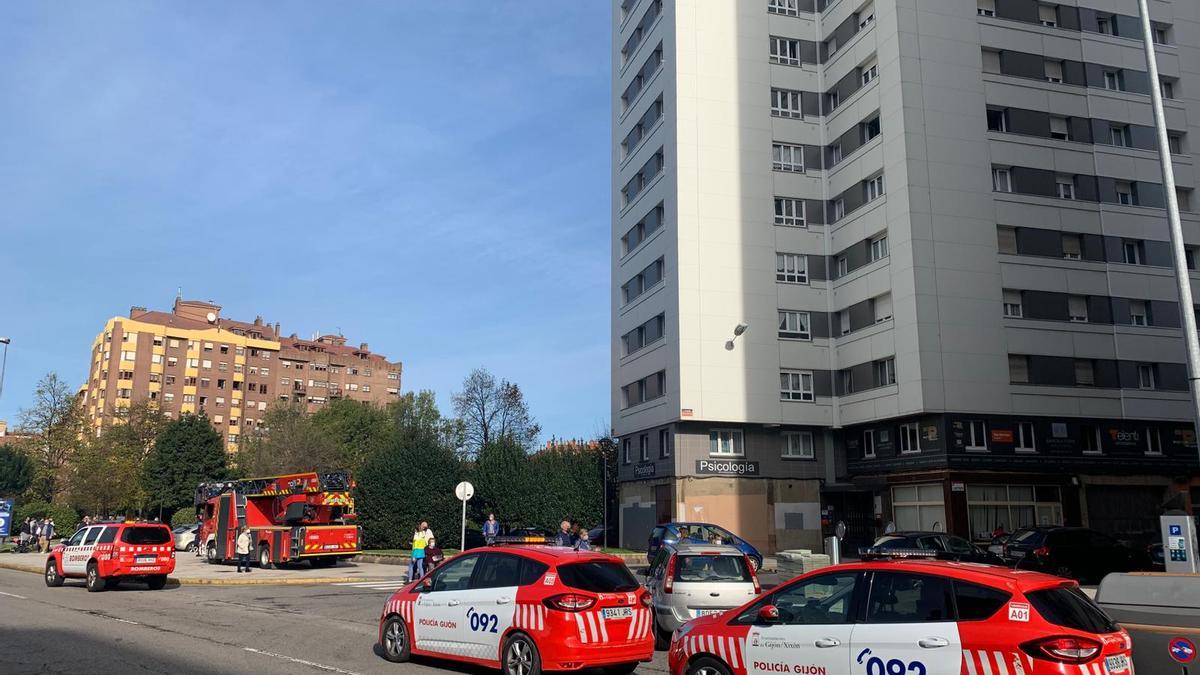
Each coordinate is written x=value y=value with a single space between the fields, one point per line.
x=416 y=566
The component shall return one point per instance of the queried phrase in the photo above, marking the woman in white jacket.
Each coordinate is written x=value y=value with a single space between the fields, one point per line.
x=243 y=549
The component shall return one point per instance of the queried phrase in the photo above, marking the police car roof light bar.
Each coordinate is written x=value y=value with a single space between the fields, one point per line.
x=878 y=553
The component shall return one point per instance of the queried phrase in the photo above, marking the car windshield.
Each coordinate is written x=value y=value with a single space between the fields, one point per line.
x=1068 y=607
x=709 y=534
x=711 y=569
x=182 y=528
x=893 y=541
x=598 y=577
x=146 y=536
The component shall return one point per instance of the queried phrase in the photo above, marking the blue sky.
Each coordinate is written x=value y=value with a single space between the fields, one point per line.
x=429 y=177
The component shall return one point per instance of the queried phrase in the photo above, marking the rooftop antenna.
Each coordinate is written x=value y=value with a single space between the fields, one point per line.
x=179 y=293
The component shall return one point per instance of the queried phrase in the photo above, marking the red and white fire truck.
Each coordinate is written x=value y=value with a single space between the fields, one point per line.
x=301 y=516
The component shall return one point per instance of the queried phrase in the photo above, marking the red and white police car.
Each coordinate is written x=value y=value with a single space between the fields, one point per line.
x=524 y=610
x=908 y=617
x=106 y=553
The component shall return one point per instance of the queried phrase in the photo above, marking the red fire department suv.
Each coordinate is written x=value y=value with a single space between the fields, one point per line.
x=523 y=609
x=106 y=553
x=908 y=617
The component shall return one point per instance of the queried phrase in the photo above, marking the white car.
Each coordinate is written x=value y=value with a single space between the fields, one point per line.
x=692 y=580
x=185 y=537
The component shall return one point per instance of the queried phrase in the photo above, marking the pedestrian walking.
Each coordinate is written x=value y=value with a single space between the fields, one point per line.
x=564 y=536
x=243 y=549
x=416 y=565
x=491 y=529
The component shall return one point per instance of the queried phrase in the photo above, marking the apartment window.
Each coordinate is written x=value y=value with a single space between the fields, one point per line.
x=1146 y=378
x=1012 y=304
x=644 y=125
x=866 y=17
x=208 y=346
x=831 y=46
x=193 y=363
x=798 y=445
x=834 y=99
x=124 y=393
x=874 y=188
x=1175 y=143
x=168 y=396
x=1167 y=88
x=868 y=443
x=997 y=119
x=1053 y=71
x=1112 y=80
x=1072 y=246
x=189 y=398
x=1001 y=180
x=644 y=447
x=870 y=129
x=785 y=51
x=128 y=356
x=835 y=154
x=975 y=434
x=843 y=266
x=844 y=321
x=796 y=385
x=646 y=389
x=839 y=209
x=1131 y=252
x=648 y=225
x=645 y=334
x=1104 y=25
x=879 y=248
x=882 y=307
x=1077 y=308
x=1118 y=135
x=785 y=7
x=1160 y=35
x=1138 y=316
x=1006 y=239
x=1065 y=186
x=1183 y=198
x=223 y=366
x=869 y=73
x=1025 y=440
x=910 y=438
x=785 y=103
x=1048 y=15
x=1124 y=192
x=172 y=361
x=789 y=211
x=845 y=382
x=1153 y=442
x=1059 y=129
x=725 y=443
x=1085 y=373
x=885 y=372
x=1089 y=436
x=787 y=157
x=664 y=443
x=638 y=182
x=986 y=7
x=794 y=325
x=791 y=268
x=1018 y=369
x=645 y=280
x=173 y=343
x=991 y=61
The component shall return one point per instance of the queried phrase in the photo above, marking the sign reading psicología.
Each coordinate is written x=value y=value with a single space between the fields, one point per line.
x=726 y=467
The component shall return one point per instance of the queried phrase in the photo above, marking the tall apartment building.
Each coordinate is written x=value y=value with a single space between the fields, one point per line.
x=897 y=261
x=193 y=360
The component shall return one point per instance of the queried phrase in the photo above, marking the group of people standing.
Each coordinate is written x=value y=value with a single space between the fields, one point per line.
x=37 y=532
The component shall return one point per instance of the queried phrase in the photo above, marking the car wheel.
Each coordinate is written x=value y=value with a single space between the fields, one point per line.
x=662 y=639
x=264 y=557
x=707 y=666
x=520 y=656
x=210 y=553
x=621 y=669
x=191 y=547
x=396 y=647
x=95 y=582
x=156 y=582
x=53 y=578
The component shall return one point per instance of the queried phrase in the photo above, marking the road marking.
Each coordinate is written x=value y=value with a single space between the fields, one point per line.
x=302 y=662
x=13 y=595
x=376 y=585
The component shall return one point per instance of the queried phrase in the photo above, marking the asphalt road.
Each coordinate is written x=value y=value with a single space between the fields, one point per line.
x=200 y=629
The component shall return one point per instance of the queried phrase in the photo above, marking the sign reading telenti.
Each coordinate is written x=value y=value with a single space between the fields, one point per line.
x=726 y=467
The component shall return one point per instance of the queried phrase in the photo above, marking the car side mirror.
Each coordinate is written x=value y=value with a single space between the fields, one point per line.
x=768 y=614
x=425 y=586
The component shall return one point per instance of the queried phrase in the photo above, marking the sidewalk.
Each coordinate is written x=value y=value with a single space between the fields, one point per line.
x=191 y=570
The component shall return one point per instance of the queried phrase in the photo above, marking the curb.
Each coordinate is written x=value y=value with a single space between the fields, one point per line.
x=190 y=581
x=20 y=568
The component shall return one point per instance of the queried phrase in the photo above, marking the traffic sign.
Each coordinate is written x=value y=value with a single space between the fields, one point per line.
x=6 y=507
x=1182 y=649
x=464 y=491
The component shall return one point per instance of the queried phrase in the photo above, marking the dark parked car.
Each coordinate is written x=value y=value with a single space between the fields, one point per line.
x=947 y=546
x=1072 y=552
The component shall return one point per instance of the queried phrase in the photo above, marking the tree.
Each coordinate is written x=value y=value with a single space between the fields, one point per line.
x=143 y=421
x=356 y=429
x=286 y=442
x=106 y=474
x=58 y=427
x=416 y=420
x=505 y=485
x=404 y=484
x=16 y=471
x=491 y=410
x=186 y=453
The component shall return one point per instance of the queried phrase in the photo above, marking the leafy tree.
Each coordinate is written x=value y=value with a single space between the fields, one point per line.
x=182 y=517
x=106 y=473
x=416 y=420
x=16 y=471
x=288 y=441
x=57 y=424
x=143 y=421
x=404 y=484
x=356 y=429
x=492 y=410
x=187 y=452
x=505 y=485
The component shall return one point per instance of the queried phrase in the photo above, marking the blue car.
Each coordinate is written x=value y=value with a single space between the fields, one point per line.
x=699 y=533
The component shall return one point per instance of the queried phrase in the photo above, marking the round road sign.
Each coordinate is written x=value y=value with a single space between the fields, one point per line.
x=1182 y=649
x=464 y=491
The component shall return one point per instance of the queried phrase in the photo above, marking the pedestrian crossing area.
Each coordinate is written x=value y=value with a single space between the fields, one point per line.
x=375 y=584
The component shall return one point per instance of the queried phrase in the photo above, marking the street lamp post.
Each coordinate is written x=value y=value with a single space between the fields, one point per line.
x=3 y=362
x=1182 y=280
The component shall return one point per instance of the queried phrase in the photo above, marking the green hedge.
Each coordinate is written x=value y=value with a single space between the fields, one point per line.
x=184 y=516
x=65 y=518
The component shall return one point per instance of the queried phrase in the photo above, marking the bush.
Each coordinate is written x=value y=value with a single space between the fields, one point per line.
x=184 y=516
x=404 y=484
x=65 y=518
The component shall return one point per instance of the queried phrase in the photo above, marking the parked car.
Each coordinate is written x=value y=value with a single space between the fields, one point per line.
x=1072 y=552
x=996 y=545
x=946 y=546
x=692 y=580
x=185 y=537
x=699 y=533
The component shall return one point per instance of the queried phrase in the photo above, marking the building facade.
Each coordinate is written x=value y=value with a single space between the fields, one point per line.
x=897 y=261
x=192 y=360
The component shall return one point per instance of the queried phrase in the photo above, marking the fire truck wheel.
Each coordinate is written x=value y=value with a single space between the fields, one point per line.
x=706 y=666
x=95 y=582
x=156 y=582
x=520 y=656
x=264 y=557
x=53 y=578
x=210 y=553
x=395 y=640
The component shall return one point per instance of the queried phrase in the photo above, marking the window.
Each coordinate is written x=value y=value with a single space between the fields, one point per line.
x=785 y=51
x=991 y=61
x=1160 y=35
x=835 y=154
x=1018 y=369
x=649 y=69
x=1012 y=304
x=1048 y=15
x=128 y=356
x=824 y=600
x=1053 y=71
x=882 y=307
x=648 y=225
x=1118 y=135
x=1124 y=192
x=796 y=385
x=874 y=188
x=986 y=7
x=789 y=211
x=646 y=389
x=843 y=266
x=1112 y=80
x=909 y=598
x=1059 y=129
x=839 y=209
x=645 y=334
x=1077 y=308
x=193 y=363
x=910 y=438
x=975 y=602
x=831 y=46
x=625 y=456
x=834 y=99
x=664 y=443
x=997 y=119
x=798 y=445
x=1065 y=186
x=500 y=570
x=844 y=321
x=1153 y=442
x=638 y=182
x=791 y=268
x=885 y=372
x=1024 y=440
x=206 y=364
x=1167 y=88
x=1001 y=180
x=1131 y=252
x=794 y=325
x=455 y=575
x=869 y=73
x=645 y=280
x=866 y=18
x=787 y=157
x=1089 y=437
x=879 y=248
x=1085 y=373
x=1138 y=315
x=644 y=447
x=868 y=443
x=845 y=382
x=1006 y=239
x=1072 y=246
x=1145 y=373
x=785 y=7
x=975 y=435
x=786 y=103
x=1104 y=25
x=725 y=443
x=1175 y=143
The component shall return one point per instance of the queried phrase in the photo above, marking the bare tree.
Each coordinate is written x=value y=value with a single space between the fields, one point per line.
x=492 y=410
x=57 y=425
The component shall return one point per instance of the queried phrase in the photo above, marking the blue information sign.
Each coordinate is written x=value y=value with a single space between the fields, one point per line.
x=6 y=507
